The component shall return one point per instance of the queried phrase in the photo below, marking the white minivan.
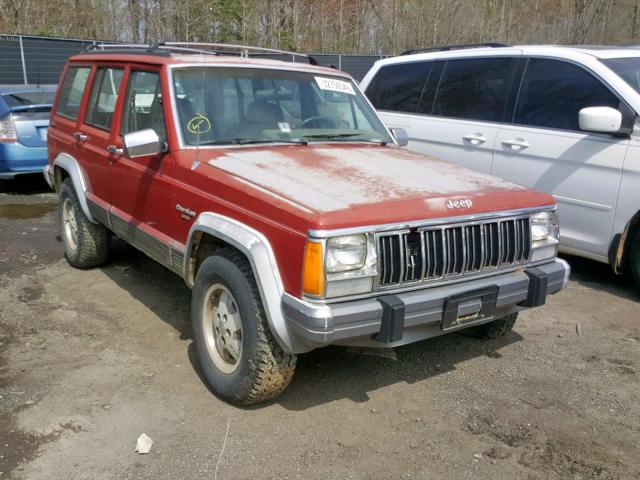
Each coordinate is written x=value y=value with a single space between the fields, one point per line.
x=559 y=119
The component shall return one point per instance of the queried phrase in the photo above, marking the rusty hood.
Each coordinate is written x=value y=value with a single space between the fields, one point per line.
x=348 y=185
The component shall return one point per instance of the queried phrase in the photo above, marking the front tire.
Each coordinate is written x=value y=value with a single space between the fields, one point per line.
x=495 y=329
x=239 y=357
x=86 y=244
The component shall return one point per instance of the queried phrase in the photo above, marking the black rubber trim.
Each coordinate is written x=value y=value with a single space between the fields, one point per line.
x=538 y=287
x=392 y=326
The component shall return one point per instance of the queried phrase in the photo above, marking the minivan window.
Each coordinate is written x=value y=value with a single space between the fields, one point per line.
x=143 y=104
x=552 y=93
x=474 y=88
x=103 y=98
x=626 y=68
x=399 y=87
x=71 y=92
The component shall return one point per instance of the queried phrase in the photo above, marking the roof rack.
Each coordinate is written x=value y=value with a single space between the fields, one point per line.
x=444 y=48
x=166 y=48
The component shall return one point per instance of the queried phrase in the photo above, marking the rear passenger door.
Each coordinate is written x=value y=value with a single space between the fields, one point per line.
x=95 y=132
x=544 y=148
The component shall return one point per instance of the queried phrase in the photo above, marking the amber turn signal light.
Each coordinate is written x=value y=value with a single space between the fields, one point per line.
x=313 y=278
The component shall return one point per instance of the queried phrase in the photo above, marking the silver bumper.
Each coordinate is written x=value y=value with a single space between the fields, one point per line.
x=423 y=315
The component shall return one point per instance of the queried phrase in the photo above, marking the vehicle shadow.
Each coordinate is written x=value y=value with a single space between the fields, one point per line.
x=28 y=184
x=596 y=275
x=322 y=376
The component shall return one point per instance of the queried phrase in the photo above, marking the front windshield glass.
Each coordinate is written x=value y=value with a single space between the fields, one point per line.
x=223 y=106
x=627 y=68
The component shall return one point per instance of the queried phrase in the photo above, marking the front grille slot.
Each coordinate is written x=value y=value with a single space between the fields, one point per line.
x=440 y=252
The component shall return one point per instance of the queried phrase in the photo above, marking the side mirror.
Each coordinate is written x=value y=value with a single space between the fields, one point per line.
x=600 y=119
x=400 y=134
x=142 y=143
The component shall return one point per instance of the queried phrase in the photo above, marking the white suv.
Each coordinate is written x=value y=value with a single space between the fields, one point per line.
x=559 y=119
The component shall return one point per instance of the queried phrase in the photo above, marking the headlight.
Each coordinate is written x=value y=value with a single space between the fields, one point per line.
x=340 y=266
x=544 y=235
x=346 y=253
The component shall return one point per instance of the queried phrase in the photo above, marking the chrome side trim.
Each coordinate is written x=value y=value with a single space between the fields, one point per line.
x=166 y=254
x=258 y=251
x=389 y=227
x=70 y=165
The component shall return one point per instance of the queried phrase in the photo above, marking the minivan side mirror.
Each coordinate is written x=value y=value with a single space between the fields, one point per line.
x=400 y=134
x=600 y=119
x=142 y=143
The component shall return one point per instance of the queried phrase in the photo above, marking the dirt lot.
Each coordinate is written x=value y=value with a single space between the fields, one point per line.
x=91 y=359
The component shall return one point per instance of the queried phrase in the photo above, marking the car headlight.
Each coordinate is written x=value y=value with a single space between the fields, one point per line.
x=545 y=235
x=346 y=253
x=340 y=266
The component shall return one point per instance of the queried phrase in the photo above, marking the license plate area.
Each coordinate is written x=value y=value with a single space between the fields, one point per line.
x=469 y=307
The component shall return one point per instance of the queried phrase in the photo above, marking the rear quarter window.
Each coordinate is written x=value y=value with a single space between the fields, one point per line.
x=399 y=87
x=72 y=90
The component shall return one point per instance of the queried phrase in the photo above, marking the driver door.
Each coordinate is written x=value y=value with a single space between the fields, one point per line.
x=141 y=190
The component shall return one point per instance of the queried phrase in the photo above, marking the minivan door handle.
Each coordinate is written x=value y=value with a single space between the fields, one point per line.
x=475 y=139
x=81 y=137
x=516 y=144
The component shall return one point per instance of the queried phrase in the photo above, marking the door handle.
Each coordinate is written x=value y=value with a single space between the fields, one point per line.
x=517 y=144
x=475 y=139
x=81 y=137
x=115 y=150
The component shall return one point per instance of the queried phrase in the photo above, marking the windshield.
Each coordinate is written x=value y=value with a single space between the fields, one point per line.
x=223 y=106
x=627 y=68
x=24 y=99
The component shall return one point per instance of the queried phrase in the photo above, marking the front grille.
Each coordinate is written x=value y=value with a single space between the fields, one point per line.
x=438 y=252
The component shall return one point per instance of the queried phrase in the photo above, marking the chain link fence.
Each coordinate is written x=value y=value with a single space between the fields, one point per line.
x=39 y=60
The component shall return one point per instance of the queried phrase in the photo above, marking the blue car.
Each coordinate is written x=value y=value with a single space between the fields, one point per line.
x=24 y=119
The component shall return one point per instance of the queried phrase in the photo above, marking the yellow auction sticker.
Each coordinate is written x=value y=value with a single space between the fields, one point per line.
x=199 y=124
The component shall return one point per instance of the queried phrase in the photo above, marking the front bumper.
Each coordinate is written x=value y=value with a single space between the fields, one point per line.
x=393 y=320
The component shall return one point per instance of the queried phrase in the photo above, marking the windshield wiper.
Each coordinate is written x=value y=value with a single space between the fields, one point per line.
x=344 y=137
x=249 y=141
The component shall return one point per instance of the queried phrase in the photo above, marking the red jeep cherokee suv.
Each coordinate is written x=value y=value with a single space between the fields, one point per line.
x=276 y=192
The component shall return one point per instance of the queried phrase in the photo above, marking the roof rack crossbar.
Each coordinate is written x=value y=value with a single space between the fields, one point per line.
x=244 y=49
x=445 y=48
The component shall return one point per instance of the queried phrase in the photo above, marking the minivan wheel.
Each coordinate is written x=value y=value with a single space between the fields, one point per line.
x=238 y=355
x=634 y=257
x=495 y=329
x=86 y=244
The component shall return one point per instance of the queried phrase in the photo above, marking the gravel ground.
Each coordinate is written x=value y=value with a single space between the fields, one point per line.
x=91 y=359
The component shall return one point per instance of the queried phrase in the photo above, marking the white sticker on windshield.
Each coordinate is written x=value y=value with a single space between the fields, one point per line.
x=335 y=85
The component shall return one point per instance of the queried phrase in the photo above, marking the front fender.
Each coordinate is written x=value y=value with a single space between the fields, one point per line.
x=255 y=246
x=70 y=165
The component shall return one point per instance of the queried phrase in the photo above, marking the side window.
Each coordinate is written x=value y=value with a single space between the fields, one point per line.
x=143 y=104
x=72 y=90
x=399 y=87
x=474 y=89
x=103 y=98
x=553 y=92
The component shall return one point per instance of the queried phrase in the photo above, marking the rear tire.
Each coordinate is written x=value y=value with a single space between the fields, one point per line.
x=239 y=356
x=495 y=329
x=634 y=257
x=86 y=244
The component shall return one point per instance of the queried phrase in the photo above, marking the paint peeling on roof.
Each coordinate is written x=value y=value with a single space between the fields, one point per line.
x=329 y=178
